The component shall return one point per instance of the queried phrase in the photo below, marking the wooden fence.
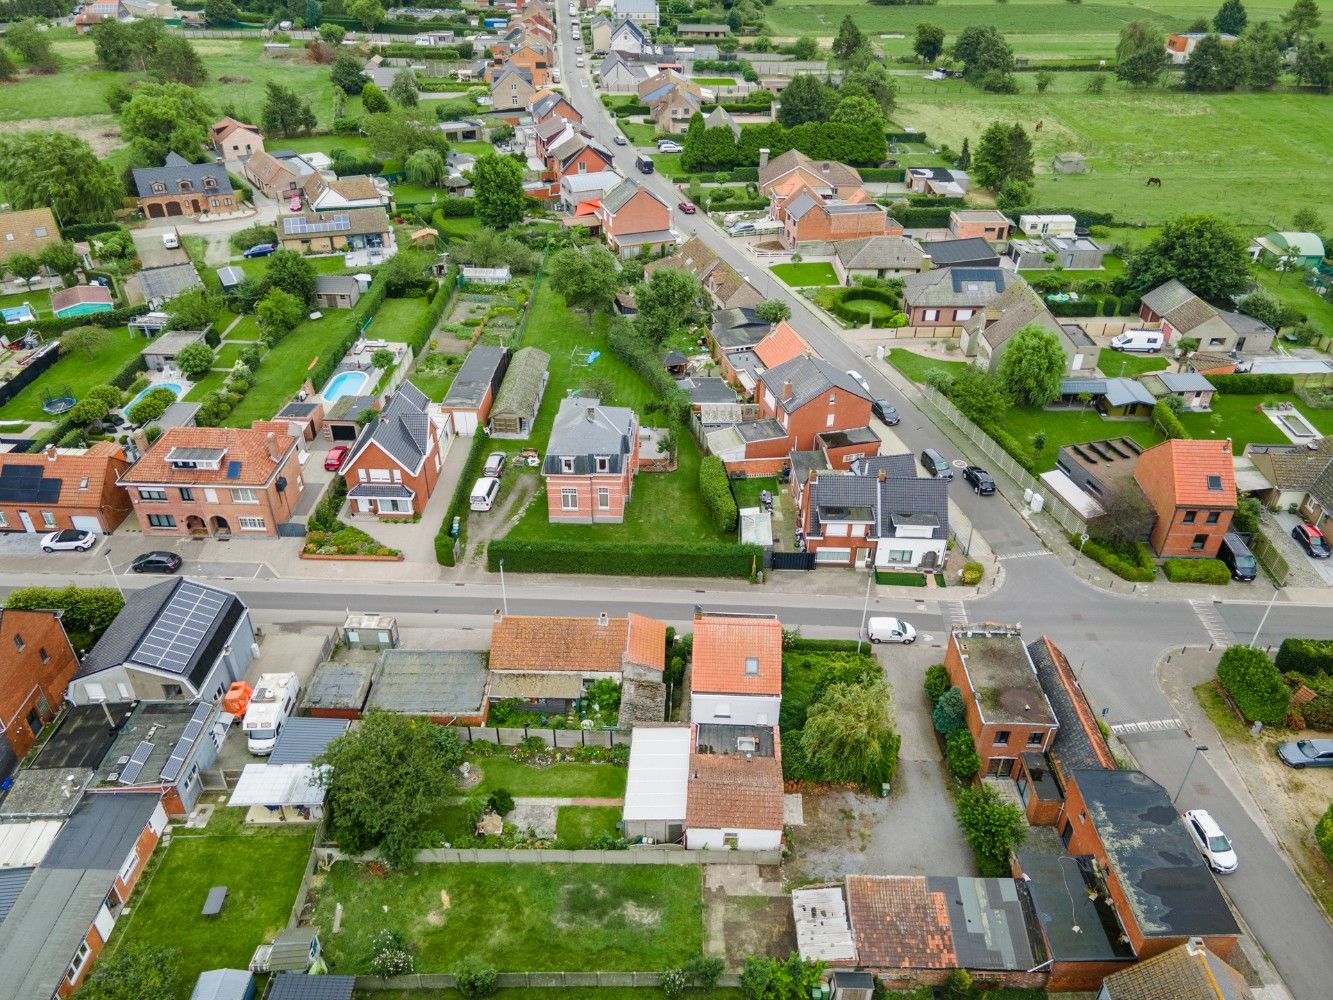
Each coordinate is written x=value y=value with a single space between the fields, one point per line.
x=566 y=738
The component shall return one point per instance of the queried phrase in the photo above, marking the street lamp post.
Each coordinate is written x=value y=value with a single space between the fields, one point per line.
x=1255 y=638
x=504 y=595
x=1198 y=749
x=112 y=570
x=865 y=610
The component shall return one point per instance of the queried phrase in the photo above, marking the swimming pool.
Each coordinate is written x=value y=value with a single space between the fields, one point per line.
x=345 y=384
x=84 y=309
x=18 y=314
x=175 y=388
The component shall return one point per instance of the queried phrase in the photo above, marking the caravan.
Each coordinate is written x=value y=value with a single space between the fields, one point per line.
x=273 y=701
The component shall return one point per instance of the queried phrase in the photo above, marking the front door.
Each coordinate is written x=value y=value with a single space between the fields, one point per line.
x=26 y=518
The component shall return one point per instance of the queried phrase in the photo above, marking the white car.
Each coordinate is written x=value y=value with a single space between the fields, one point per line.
x=1211 y=841
x=495 y=464
x=890 y=630
x=69 y=540
x=860 y=379
x=171 y=241
x=668 y=146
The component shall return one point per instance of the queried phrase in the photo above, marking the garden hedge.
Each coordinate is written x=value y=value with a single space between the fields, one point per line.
x=1212 y=571
x=921 y=218
x=892 y=175
x=643 y=359
x=937 y=682
x=83 y=230
x=613 y=559
x=1136 y=566
x=1305 y=656
x=1323 y=834
x=961 y=754
x=1165 y=418
x=116 y=317
x=1252 y=385
x=715 y=492
x=1254 y=683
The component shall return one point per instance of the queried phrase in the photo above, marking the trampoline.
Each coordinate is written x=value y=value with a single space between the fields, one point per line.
x=58 y=402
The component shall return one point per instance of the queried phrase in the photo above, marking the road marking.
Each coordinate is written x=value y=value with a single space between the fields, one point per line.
x=1217 y=629
x=1029 y=554
x=1148 y=726
x=953 y=613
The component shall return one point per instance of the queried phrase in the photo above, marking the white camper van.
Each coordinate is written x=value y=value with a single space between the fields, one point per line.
x=1146 y=341
x=273 y=701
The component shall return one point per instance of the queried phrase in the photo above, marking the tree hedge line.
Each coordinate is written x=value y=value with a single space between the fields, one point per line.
x=1305 y=656
x=642 y=358
x=83 y=230
x=116 y=317
x=1252 y=385
x=1136 y=566
x=1095 y=305
x=921 y=218
x=715 y=492
x=1254 y=684
x=724 y=559
x=892 y=175
x=1165 y=418
x=87 y=610
x=858 y=145
x=1212 y=571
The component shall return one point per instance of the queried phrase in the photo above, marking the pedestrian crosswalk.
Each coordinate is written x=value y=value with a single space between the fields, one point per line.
x=953 y=613
x=1148 y=726
x=1217 y=629
x=1026 y=554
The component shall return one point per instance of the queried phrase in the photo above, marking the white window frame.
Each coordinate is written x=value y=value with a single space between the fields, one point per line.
x=244 y=494
x=569 y=498
x=80 y=960
x=380 y=476
x=48 y=519
x=131 y=863
x=252 y=524
x=931 y=315
x=603 y=498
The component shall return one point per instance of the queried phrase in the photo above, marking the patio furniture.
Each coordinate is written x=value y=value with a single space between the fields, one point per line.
x=213 y=904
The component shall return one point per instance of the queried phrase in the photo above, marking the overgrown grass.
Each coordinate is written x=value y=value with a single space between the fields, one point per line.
x=518 y=917
x=1214 y=705
x=577 y=827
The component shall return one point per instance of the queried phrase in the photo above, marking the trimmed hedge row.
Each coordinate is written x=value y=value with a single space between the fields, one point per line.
x=844 y=308
x=921 y=218
x=890 y=174
x=83 y=230
x=1212 y=571
x=1136 y=566
x=1095 y=305
x=116 y=317
x=660 y=559
x=907 y=137
x=715 y=492
x=1165 y=418
x=1252 y=385
x=642 y=359
x=444 y=542
x=1305 y=656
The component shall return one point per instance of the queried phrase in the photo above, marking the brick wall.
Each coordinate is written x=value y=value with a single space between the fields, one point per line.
x=643 y=213
x=848 y=411
x=32 y=678
x=201 y=514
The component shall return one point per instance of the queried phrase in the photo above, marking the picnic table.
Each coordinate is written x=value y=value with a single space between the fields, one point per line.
x=213 y=904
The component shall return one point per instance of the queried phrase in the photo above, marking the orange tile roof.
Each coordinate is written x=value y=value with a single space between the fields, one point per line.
x=247 y=445
x=782 y=344
x=899 y=923
x=99 y=463
x=555 y=642
x=1188 y=464
x=734 y=792
x=722 y=645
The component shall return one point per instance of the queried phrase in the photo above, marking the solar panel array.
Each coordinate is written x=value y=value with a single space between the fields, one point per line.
x=300 y=225
x=27 y=484
x=129 y=774
x=180 y=629
x=172 y=769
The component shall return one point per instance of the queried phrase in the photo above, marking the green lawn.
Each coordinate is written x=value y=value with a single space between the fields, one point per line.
x=1063 y=427
x=668 y=164
x=639 y=134
x=1290 y=292
x=746 y=491
x=395 y=318
x=246 y=329
x=77 y=371
x=1235 y=417
x=261 y=867
x=577 y=827
x=805 y=275
x=284 y=368
x=714 y=81
x=915 y=366
x=518 y=917
x=459 y=227
x=584 y=781
x=228 y=354
x=209 y=383
x=1113 y=364
x=435 y=373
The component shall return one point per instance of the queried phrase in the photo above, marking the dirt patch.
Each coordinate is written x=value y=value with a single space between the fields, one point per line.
x=640 y=916
x=740 y=926
x=100 y=131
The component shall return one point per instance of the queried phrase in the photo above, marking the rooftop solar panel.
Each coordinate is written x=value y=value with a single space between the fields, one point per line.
x=26 y=484
x=172 y=769
x=338 y=223
x=180 y=629
x=129 y=774
x=233 y=470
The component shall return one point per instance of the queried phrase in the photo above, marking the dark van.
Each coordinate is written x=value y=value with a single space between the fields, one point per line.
x=936 y=464
x=644 y=163
x=1238 y=557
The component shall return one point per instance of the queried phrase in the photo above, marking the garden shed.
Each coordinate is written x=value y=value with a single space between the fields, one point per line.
x=338 y=690
x=160 y=352
x=224 y=984
x=297 y=986
x=520 y=395
x=447 y=685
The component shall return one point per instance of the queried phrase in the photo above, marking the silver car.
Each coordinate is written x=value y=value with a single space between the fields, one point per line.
x=1306 y=753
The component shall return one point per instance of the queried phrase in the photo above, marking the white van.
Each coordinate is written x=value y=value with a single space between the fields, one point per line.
x=1146 y=341
x=890 y=630
x=484 y=493
x=273 y=701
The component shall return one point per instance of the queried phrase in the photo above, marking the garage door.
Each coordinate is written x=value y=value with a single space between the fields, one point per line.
x=465 y=422
x=87 y=523
x=343 y=432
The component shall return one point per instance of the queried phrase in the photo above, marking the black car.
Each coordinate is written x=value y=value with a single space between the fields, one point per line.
x=982 y=483
x=157 y=562
x=886 y=411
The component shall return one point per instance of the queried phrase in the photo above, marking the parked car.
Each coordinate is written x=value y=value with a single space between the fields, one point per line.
x=1237 y=555
x=260 y=250
x=890 y=630
x=1211 y=841
x=484 y=492
x=936 y=464
x=171 y=241
x=294 y=205
x=859 y=379
x=619 y=140
x=886 y=411
x=669 y=146
x=333 y=461
x=495 y=464
x=982 y=484
x=1306 y=753
x=1312 y=540
x=579 y=62
x=69 y=540
x=157 y=562
x=687 y=208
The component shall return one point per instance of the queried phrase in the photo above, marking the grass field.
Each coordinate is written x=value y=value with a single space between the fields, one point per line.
x=1113 y=364
x=284 y=368
x=915 y=366
x=261 y=867
x=77 y=371
x=1063 y=427
x=1235 y=417
x=584 y=781
x=395 y=318
x=578 y=827
x=518 y=917
x=805 y=275
x=714 y=81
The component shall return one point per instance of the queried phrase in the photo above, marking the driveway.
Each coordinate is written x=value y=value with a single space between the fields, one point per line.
x=153 y=253
x=1304 y=570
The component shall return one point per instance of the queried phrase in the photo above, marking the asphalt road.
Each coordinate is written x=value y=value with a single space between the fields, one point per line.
x=1112 y=641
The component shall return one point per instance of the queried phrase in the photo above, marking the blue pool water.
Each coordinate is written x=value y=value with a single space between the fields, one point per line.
x=84 y=309
x=18 y=314
x=345 y=384
x=175 y=388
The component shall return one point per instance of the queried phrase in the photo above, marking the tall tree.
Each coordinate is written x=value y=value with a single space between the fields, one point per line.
x=60 y=257
x=403 y=91
x=929 y=42
x=965 y=154
x=992 y=826
x=399 y=134
x=773 y=311
x=291 y=272
x=1019 y=160
x=586 y=279
x=279 y=312
x=1135 y=37
x=1258 y=54
x=1004 y=153
x=858 y=111
x=194 y=308
x=426 y=167
x=373 y=101
x=1202 y=252
x=89 y=341
x=220 y=12
x=346 y=73
x=805 y=49
x=872 y=81
x=1140 y=55
x=128 y=45
x=1314 y=65
x=1032 y=366
x=164 y=117
x=8 y=70
x=692 y=146
x=849 y=39
x=1301 y=21
x=384 y=781
x=498 y=182
x=59 y=171
x=368 y=12
x=176 y=61
x=1126 y=516
x=848 y=736
x=1212 y=66
x=667 y=302
x=285 y=111
x=982 y=50
x=1231 y=18
x=805 y=99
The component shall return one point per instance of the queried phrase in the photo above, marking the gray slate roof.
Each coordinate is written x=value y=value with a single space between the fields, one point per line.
x=176 y=168
x=956 y=286
x=1072 y=744
x=162 y=283
x=223 y=984
x=708 y=390
x=402 y=428
x=879 y=252
x=1118 y=391
x=584 y=430
x=899 y=466
x=302 y=739
x=299 y=986
x=835 y=496
x=969 y=252
x=332 y=284
x=1184 y=381
x=738 y=328
x=483 y=368
x=810 y=377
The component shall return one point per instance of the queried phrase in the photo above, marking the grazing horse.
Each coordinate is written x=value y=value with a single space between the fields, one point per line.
x=1154 y=182
x=1040 y=125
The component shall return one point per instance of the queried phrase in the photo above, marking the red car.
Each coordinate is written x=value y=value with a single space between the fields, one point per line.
x=333 y=461
x=687 y=208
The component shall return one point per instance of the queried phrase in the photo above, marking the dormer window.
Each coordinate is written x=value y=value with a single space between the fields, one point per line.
x=567 y=464
x=159 y=188
x=603 y=463
x=210 y=182
x=186 y=186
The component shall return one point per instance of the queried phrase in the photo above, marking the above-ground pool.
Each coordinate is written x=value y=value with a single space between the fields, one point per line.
x=18 y=314
x=175 y=388
x=345 y=384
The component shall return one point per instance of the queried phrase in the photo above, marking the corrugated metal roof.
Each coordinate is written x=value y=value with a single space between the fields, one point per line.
x=223 y=984
x=658 y=782
x=12 y=881
x=303 y=739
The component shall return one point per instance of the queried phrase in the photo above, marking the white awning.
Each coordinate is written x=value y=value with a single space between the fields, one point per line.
x=659 y=770
x=1074 y=498
x=278 y=785
x=23 y=845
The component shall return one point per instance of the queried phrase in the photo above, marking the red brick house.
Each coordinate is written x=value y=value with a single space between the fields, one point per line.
x=217 y=480
x=807 y=396
x=1008 y=713
x=64 y=488
x=949 y=296
x=1192 y=487
x=591 y=460
x=182 y=188
x=394 y=465
x=36 y=664
x=778 y=346
x=634 y=220
x=985 y=223
x=549 y=104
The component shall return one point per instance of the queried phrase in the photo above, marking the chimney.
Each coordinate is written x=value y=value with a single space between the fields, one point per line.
x=589 y=414
x=602 y=620
x=271 y=440
x=823 y=167
x=786 y=390
x=1195 y=946
x=763 y=158
x=883 y=475
x=50 y=453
